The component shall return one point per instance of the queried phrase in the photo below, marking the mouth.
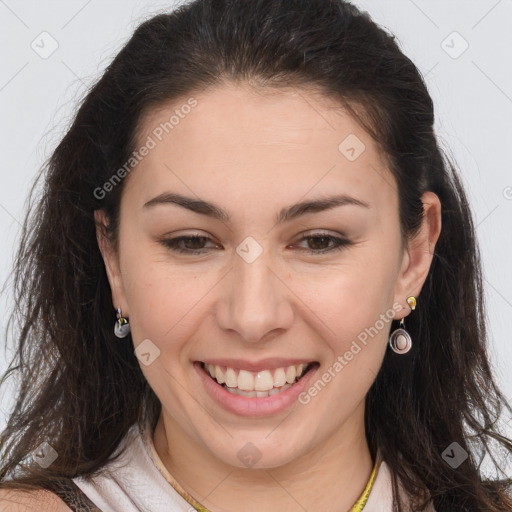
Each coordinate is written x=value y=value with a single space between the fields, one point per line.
x=257 y=384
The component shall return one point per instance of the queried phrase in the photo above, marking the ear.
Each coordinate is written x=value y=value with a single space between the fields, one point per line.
x=419 y=253
x=111 y=261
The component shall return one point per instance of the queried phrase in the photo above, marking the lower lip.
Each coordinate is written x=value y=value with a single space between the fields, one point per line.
x=247 y=406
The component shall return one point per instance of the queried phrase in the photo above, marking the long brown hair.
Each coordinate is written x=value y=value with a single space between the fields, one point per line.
x=81 y=389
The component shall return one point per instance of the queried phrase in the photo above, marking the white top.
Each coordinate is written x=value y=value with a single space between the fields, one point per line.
x=139 y=482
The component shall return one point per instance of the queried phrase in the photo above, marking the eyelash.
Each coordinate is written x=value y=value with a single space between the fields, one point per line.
x=171 y=243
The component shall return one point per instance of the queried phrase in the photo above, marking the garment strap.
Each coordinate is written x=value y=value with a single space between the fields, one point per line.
x=67 y=490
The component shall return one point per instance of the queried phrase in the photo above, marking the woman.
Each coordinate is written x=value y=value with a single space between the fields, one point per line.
x=252 y=282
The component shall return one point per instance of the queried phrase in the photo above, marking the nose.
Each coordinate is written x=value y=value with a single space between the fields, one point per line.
x=256 y=301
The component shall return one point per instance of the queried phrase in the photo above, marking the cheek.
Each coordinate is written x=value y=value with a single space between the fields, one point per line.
x=165 y=300
x=356 y=307
x=353 y=296
x=358 y=318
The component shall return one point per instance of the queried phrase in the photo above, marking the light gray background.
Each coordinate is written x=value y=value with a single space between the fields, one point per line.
x=472 y=91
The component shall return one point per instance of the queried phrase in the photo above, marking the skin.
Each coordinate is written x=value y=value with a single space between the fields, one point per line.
x=253 y=153
x=16 y=500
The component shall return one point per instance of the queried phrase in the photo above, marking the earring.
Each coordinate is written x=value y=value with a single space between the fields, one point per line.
x=400 y=340
x=122 y=326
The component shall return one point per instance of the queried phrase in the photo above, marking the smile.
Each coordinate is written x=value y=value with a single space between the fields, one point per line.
x=259 y=384
x=257 y=389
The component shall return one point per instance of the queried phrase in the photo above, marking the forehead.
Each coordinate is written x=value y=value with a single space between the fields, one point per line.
x=273 y=143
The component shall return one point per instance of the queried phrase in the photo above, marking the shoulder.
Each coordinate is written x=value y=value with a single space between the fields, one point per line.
x=16 y=500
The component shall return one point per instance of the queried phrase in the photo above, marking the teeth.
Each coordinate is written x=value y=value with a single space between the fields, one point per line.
x=291 y=373
x=231 y=378
x=219 y=376
x=279 y=378
x=262 y=383
x=257 y=394
x=245 y=381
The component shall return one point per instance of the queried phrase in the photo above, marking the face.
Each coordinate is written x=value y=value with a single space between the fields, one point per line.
x=266 y=289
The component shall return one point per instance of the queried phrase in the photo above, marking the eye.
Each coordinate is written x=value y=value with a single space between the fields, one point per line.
x=193 y=241
x=194 y=244
x=321 y=241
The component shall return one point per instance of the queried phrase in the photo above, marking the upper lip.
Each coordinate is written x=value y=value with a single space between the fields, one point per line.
x=256 y=366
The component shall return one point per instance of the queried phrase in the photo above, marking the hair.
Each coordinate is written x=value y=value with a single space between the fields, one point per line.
x=81 y=389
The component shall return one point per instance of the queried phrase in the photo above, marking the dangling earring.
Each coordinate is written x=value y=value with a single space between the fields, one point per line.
x=400 y=340
x=122 y=326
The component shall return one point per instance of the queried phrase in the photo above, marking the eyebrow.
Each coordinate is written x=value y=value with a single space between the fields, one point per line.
x=287 y=214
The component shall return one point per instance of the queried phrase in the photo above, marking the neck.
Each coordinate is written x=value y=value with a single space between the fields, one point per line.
x=330 y=477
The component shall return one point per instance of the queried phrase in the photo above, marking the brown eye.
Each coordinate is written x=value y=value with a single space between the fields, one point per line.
x=193 y=244
x=319 y=243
